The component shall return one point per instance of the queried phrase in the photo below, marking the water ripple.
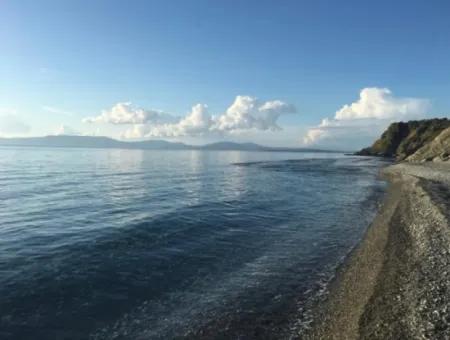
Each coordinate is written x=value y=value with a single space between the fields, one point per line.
x=139 y=244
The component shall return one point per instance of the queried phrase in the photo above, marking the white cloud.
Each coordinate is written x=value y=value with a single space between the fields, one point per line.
x=313 y=135
x=249 y=113
x=379 y=103
x=126 y=113
x=246 y=113
x=375 y=109
x=66 y=130
x=197 y=122
x=136 y=131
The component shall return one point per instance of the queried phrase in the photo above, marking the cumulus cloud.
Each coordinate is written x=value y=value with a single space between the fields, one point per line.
x=249 y=113
x=126 y=113
x=245 y=113
x=66 y=130
x=379 y=103
x=375 y=109
x=313 y=135
x=196 y=123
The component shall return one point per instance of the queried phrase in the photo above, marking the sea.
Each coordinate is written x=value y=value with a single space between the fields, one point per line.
x=149 y=244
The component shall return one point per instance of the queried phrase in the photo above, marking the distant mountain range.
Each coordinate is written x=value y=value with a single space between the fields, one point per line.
x=109 y=143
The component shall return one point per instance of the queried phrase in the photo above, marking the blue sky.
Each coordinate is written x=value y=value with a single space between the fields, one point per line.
x=64 y=61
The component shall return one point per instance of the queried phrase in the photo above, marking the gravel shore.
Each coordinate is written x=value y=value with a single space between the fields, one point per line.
x=396 y=284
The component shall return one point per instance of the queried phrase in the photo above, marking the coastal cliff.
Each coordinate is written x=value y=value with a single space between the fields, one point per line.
x=416 y=140
x=437 y=150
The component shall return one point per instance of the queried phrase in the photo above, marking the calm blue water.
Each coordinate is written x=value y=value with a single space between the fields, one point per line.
x=131 y=244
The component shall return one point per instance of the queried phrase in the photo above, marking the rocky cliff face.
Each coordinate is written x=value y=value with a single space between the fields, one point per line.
x=416 y=140
x=437 y=150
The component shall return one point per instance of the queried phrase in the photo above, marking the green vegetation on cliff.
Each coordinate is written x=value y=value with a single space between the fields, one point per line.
x=402 y=140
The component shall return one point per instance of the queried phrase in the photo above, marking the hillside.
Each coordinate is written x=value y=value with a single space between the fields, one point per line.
x=437 y=149
x=416 y=140
x=66 y=141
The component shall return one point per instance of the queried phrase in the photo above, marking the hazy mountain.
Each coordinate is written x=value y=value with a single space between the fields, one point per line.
x=106 y=142
x=90 y=142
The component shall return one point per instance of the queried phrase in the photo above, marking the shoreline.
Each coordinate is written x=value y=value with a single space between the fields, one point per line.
x=396 y=283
